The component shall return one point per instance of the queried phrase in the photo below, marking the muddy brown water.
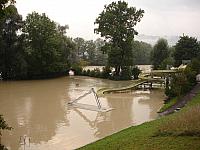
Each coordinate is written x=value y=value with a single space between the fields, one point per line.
x=39 y=110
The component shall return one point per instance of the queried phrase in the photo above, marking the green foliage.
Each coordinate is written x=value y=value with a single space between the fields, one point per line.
x=135 y=72
x=77 y=69
x=168 y=104
x=186 y=48
x=3 y=6
x=45 y=47
x=10 y=56
x=106 y=72
x=116 y=23
x=88 y=72
x=141 y=53
x=41 y=50
x=126 y=73
x=166 y=62
x=89 y=51
x=160 y=53
x=101 y=57
x=183 y=82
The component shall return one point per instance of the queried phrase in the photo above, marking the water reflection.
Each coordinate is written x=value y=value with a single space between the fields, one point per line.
x=39 y=110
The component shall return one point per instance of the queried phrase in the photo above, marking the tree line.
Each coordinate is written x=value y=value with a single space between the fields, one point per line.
x=163 y=56
x=38 y=47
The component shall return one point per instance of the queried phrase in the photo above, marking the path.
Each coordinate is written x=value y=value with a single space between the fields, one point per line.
x=129 y=87
x=183 y=101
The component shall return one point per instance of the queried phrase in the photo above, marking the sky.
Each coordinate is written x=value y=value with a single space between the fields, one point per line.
x=161 y=18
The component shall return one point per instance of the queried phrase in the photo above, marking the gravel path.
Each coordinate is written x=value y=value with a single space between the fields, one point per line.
x=182 y=101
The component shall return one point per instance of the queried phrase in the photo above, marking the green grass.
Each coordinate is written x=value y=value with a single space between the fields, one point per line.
x=169 y=104
x=166 y=133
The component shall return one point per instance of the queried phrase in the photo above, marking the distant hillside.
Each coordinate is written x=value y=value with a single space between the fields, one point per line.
x=172 y=40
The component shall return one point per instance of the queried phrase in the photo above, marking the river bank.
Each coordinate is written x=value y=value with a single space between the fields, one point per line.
x=178 y=131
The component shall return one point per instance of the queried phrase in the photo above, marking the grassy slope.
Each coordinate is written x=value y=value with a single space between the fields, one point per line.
x=143 y=137
x=168 y=104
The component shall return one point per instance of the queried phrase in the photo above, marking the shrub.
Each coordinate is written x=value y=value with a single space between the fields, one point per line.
x=106 y=72
x=92 y=73
x=125 y=73
x=97 y=72
x=88 y=72
x=77 y=69
x=84 y=73
x=135 y=72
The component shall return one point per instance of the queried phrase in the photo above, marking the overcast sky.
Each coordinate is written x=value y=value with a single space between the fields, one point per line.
x=162 y=17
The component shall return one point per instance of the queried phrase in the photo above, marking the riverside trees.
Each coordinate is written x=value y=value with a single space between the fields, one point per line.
x=186 y=48
x=45 y=48
x=34 y=48
x=116 y=24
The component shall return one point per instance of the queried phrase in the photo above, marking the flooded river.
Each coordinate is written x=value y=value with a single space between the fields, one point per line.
x=39 y=110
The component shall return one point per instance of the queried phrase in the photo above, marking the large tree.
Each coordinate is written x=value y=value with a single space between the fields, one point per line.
x=10 y=24
x=116 y=24
x=3 y=5
x=100 y=57
x=186 y=48
x=160 y=53
x=47 y=49
x=141 y=53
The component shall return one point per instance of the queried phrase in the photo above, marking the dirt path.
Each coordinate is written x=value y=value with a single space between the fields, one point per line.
x=183 y=101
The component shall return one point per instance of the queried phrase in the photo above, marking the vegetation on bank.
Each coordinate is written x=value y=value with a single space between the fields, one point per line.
x=168 y=104
x=128 y=73
x=179 y=131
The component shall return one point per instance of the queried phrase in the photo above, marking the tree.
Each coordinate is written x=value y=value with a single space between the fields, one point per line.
x=46 y=48
x=90 y=49
x=116 y=24
x=101 y=57
x=160 y=53
x=80 y=47
x=10 y=58
x=3 y=5
x=141 y=53
x=186 y=48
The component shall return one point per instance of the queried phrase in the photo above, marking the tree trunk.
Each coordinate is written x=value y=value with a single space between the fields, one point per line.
x=117 y=70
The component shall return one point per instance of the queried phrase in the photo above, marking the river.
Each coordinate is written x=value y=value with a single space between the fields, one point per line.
x=39 y=110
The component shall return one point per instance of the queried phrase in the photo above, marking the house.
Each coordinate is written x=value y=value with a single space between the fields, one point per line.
x=198 y=78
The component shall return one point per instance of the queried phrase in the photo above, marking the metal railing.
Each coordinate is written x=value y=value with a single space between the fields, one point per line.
x=82 y=96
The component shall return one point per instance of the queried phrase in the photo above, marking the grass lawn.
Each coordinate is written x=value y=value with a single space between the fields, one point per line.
x=179 y=131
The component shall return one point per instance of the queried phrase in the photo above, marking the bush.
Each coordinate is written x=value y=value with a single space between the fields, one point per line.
x=135 y=72
x=125 y=73
x=106 y=72
x=92 y=73
x=88 y=72
x=77 y=69
x=84 y=73
x=183 y=82
x=97 y=72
